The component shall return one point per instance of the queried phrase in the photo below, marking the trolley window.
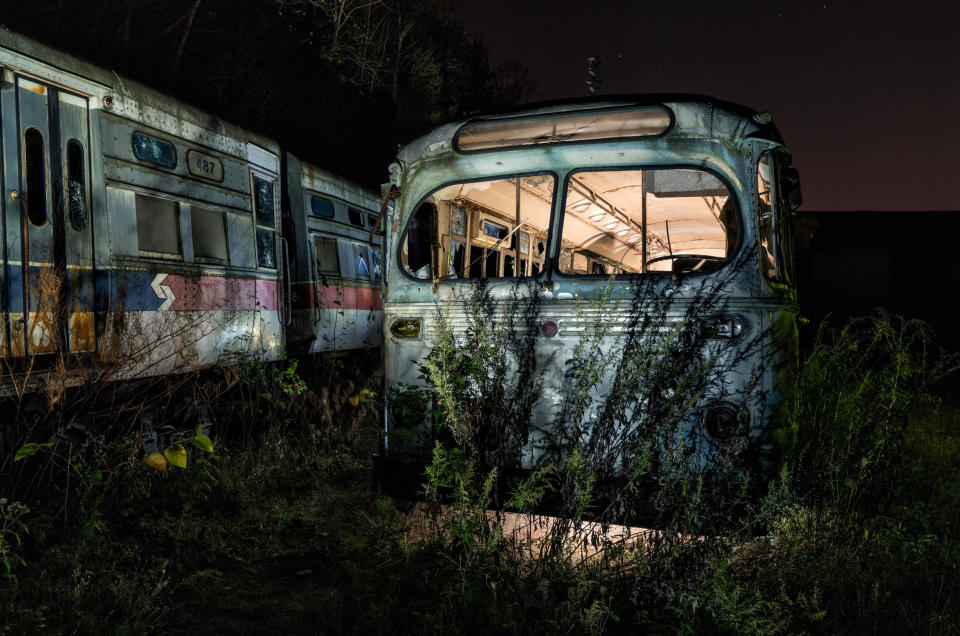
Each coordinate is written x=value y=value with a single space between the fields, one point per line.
x=322 y=207
x=328 y=260
x=159 y=152
x=76 y=191
x=361 y=260
x=209 y=234
x=264 y=200
x=35 y=177
x=158 y=226
x=355 y=216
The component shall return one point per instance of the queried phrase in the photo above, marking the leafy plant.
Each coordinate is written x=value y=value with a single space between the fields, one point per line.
x=12 y=528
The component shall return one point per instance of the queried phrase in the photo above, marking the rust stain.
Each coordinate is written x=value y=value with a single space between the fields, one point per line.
x=82 y=332
x=16 y=338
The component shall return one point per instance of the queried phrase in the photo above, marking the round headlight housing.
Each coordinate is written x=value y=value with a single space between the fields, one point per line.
x=722 y=421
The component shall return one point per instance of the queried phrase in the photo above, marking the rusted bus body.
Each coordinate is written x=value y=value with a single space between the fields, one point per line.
x=685 y=195
x=138 y=231
x=336 y=264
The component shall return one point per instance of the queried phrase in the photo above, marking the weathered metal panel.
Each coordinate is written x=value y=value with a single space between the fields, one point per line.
x=121 y=209
x=117 y=134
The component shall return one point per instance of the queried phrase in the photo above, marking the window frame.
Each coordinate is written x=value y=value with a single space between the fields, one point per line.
x=586 y=112
x=469 y=246
x=226 y=234
x=133 y=149
x=254 y=174
x=784 y=267
x=178 y=210
x=45 y=181
x=84 y=183
x=318 y=274
x=561 y=215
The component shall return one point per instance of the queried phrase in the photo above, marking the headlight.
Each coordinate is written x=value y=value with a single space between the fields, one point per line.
x=405 y=328
x=725 y=328
x=723 y=421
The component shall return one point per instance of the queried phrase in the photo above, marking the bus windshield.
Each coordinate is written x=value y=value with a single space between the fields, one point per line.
x=637 y=221
x=628 y=221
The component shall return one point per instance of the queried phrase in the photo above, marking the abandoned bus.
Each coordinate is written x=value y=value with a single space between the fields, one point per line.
x=612 y=215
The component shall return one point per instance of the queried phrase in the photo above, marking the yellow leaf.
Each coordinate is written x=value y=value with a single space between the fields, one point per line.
x=156 y=461
x=360 y=397
x=176 y=455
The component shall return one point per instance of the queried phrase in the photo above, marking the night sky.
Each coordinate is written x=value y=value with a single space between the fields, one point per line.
x=866 y=94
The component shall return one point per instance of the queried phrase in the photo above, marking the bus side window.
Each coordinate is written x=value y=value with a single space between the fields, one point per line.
x=420 y=236
x=765 y=215
x=479 y=229
x=788 y=198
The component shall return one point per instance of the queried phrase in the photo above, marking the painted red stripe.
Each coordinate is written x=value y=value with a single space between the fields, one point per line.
x=309 y=295
x=216 y=293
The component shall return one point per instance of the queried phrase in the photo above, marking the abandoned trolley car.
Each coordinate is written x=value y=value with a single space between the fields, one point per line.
x=143 y=234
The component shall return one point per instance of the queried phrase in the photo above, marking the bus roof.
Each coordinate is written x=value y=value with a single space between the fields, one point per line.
x=690 y=116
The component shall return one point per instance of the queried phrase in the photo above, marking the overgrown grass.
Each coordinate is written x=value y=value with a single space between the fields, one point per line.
x=857 y=532
x=282 y=529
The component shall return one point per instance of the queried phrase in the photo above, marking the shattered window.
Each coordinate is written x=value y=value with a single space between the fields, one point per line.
x=153 y=150
x=679 y=220
x=361 y=261
x=458 y=254
x=376 y=272
x=76 y=192
x=263 y=200
x=264 y=206
x=469 y=230
x=266 y=249
x=508 y=261
x=773 y=212
x=458 y=221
